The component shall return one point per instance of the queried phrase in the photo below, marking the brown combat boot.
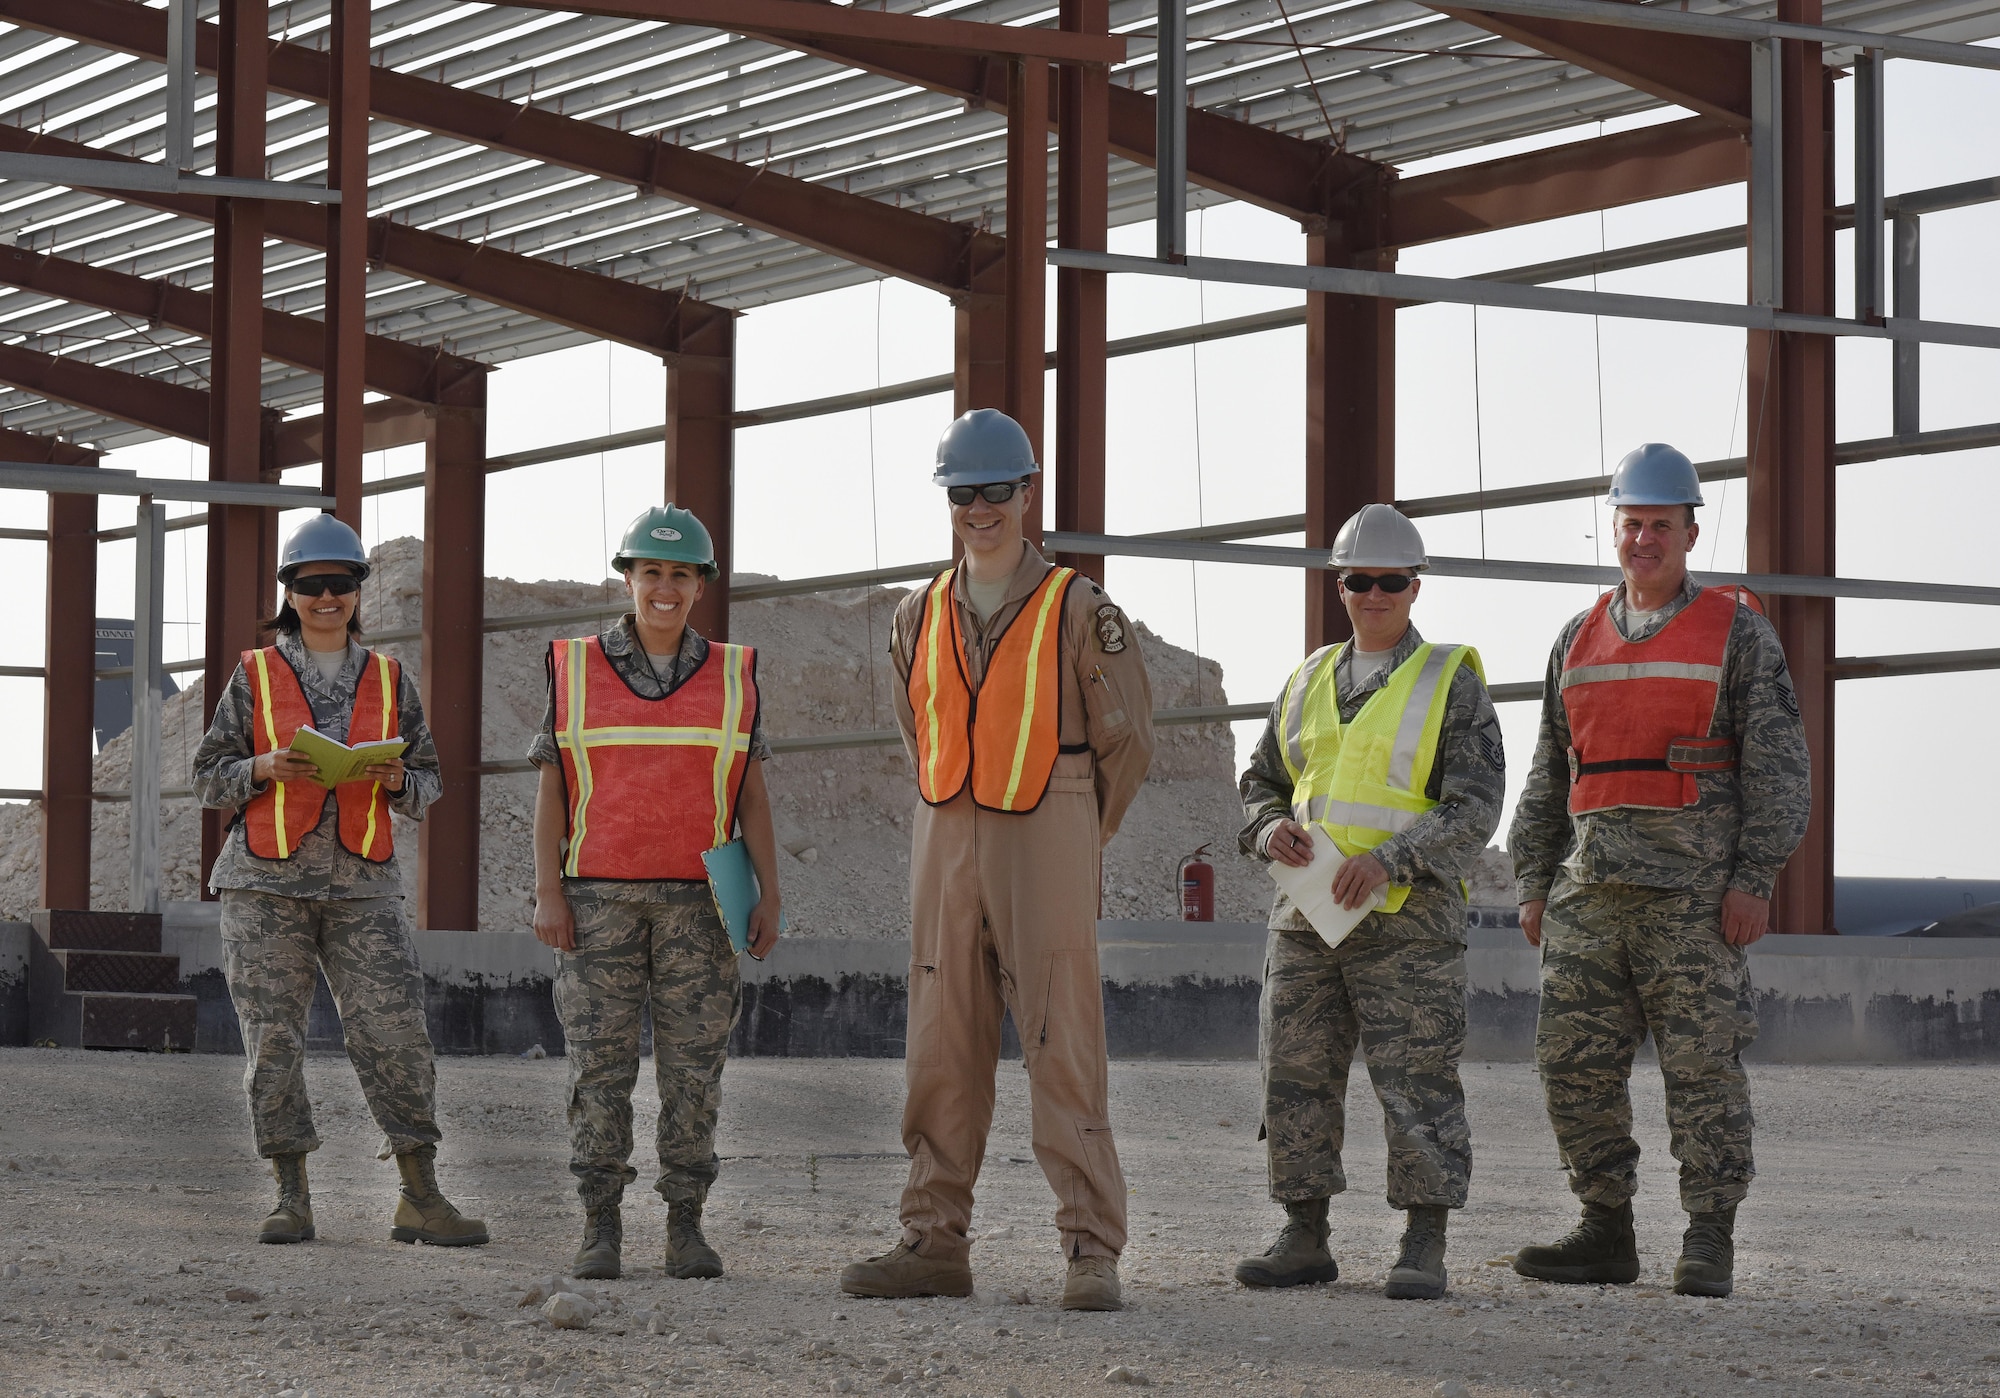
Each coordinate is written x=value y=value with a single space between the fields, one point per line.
x=1708 y=1255
x=1419 y=1273
x=1092 y=1285
x=292 y=1220
x=603 y=1235
x=423 y=1214
x=903 y=1272
x=689 y=1257
x=1601 y=1248
x=1299 y=1257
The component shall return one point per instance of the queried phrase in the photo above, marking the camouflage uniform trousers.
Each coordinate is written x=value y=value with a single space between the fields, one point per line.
x=645 y=946
x=271 y=947
x=1619 y=960
x=1401 y=998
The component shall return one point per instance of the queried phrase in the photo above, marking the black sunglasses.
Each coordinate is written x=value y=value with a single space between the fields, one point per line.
x=1389 y=582
x=320 y=584
x=999 y=493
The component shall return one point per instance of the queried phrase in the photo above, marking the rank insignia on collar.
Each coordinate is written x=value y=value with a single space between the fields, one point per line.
x=1110 y=630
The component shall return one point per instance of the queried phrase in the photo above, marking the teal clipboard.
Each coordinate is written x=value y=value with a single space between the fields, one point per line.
x=733 y=884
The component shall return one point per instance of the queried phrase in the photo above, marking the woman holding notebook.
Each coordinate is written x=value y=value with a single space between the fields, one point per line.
x=651 y=754
x=308 y=879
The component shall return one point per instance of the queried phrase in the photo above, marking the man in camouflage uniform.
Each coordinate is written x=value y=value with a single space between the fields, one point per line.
x=627 y=946
x=1394 y=986
x=325 y=907
x=1643 y=908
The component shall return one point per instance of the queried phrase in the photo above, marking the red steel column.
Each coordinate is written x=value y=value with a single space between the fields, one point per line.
x=1350 y=404
x=701 y=452
x=454 y=651
x=67 y=689
x=1082 y=220
x=979 y=347
x=238 y=588
x=1027 y=255
x=346 y=258
x=1791 y=486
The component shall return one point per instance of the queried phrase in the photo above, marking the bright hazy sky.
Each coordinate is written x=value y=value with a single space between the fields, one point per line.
x=1216 y=432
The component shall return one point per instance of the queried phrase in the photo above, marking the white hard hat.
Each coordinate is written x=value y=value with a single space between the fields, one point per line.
x=1379 y=536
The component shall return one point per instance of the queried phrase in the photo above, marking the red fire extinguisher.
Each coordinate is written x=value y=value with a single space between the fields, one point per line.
x=1197 y=888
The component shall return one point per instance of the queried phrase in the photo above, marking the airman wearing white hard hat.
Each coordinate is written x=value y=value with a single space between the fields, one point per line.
x=1382 y=764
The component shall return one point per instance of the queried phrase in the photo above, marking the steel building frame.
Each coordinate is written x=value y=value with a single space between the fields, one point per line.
x=491 y=182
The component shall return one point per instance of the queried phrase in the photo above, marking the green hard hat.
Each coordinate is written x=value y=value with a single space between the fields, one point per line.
x=669 y=533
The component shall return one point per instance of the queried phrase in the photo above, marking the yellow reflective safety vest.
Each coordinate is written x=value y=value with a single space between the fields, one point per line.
x=1364 y=781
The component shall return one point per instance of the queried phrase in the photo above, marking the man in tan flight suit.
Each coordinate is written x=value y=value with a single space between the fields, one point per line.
x=1020 y=791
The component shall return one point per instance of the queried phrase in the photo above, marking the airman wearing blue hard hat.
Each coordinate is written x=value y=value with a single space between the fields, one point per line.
x=309 y=881
x=1018 y=792
x=1671 y=782
x=651 y=754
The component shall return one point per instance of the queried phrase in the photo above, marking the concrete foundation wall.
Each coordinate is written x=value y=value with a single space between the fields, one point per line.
x=1171 y=989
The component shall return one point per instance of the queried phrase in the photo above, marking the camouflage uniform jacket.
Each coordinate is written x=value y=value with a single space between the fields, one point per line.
x=319 y=867
x=629 y=660
x=1468 y=782
x=1744 y=824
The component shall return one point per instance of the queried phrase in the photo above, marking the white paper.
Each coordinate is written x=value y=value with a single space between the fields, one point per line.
x=1311 y=890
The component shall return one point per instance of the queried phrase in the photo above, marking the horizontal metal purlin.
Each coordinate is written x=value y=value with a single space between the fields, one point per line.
x=1467 y=291
x=1518 y=570
x=1673 y=21
x=97 y=480
x=80 y=172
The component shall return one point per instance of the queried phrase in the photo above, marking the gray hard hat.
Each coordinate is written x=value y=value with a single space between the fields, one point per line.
x=983 y=447
x=1655 y=474
x=322 y=539
x=1379 y=536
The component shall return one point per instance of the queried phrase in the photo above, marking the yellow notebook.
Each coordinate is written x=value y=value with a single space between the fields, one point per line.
x=337 y=762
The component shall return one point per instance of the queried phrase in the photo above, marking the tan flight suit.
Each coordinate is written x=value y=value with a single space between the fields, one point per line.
x=1003 y=910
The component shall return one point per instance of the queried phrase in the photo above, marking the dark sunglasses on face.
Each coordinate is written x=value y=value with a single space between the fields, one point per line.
x=320 y=584
x=1389 y=582
x=999 y=493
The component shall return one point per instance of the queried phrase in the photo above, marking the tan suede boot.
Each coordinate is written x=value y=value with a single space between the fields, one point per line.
x=903 y=1272
x=1092 y=1285
x=292 y=1220
x=423 y=1214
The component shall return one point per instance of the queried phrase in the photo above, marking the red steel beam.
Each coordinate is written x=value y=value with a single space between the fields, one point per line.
x=69 y=675
x=390 y=366
x=1082 y=221
x=448 y=875
x=1350 y=397
x=812 y=20
x=385 y=423
x=1676 y=157
x=156 y=404
x=1790 y=412
x=640 y=316
x=932 y=252
x=701 y=461
x=1027 y=254
x=346 y=258
x=1709 y=76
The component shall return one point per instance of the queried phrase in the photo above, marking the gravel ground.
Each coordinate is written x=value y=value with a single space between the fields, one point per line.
x=129 y=1195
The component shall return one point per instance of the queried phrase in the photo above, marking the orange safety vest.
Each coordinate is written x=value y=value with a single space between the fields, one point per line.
x=1004 y=737
x=277 y=819
x=652 y=783
x=1639 y=711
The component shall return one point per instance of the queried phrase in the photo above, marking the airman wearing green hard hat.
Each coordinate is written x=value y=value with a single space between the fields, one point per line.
x=651 y=755
x=669 y=534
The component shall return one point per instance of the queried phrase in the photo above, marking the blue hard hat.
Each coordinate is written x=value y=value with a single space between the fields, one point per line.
x=322 y=539
x=983 y=447
x=1655 y=474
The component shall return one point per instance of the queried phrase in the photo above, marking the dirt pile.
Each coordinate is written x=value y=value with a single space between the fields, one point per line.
x=843 y=815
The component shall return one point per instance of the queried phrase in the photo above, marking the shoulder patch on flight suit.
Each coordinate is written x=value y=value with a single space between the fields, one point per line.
x=1110 y=629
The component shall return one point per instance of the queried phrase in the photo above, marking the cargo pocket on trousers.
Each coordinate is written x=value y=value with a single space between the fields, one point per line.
x=920 y=1028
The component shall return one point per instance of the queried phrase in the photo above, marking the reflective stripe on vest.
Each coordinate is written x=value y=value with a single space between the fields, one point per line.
x=1364 y=781
x=276 y=820
x=1004 y=739
x=1640 y=711
x=652 y=784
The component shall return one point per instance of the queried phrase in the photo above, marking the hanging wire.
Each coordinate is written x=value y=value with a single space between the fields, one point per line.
x=1200 y=492
x=1597 y=339
x=603 y=492
x=871 y=592
x=1306 y=68
x=1735 y=418
x=1478 y=433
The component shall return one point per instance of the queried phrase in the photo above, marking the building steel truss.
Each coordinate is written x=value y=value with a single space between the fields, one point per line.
x=497 y=181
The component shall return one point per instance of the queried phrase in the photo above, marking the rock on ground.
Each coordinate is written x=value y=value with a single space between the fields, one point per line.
x=1865 y=1263
x=843 y=817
